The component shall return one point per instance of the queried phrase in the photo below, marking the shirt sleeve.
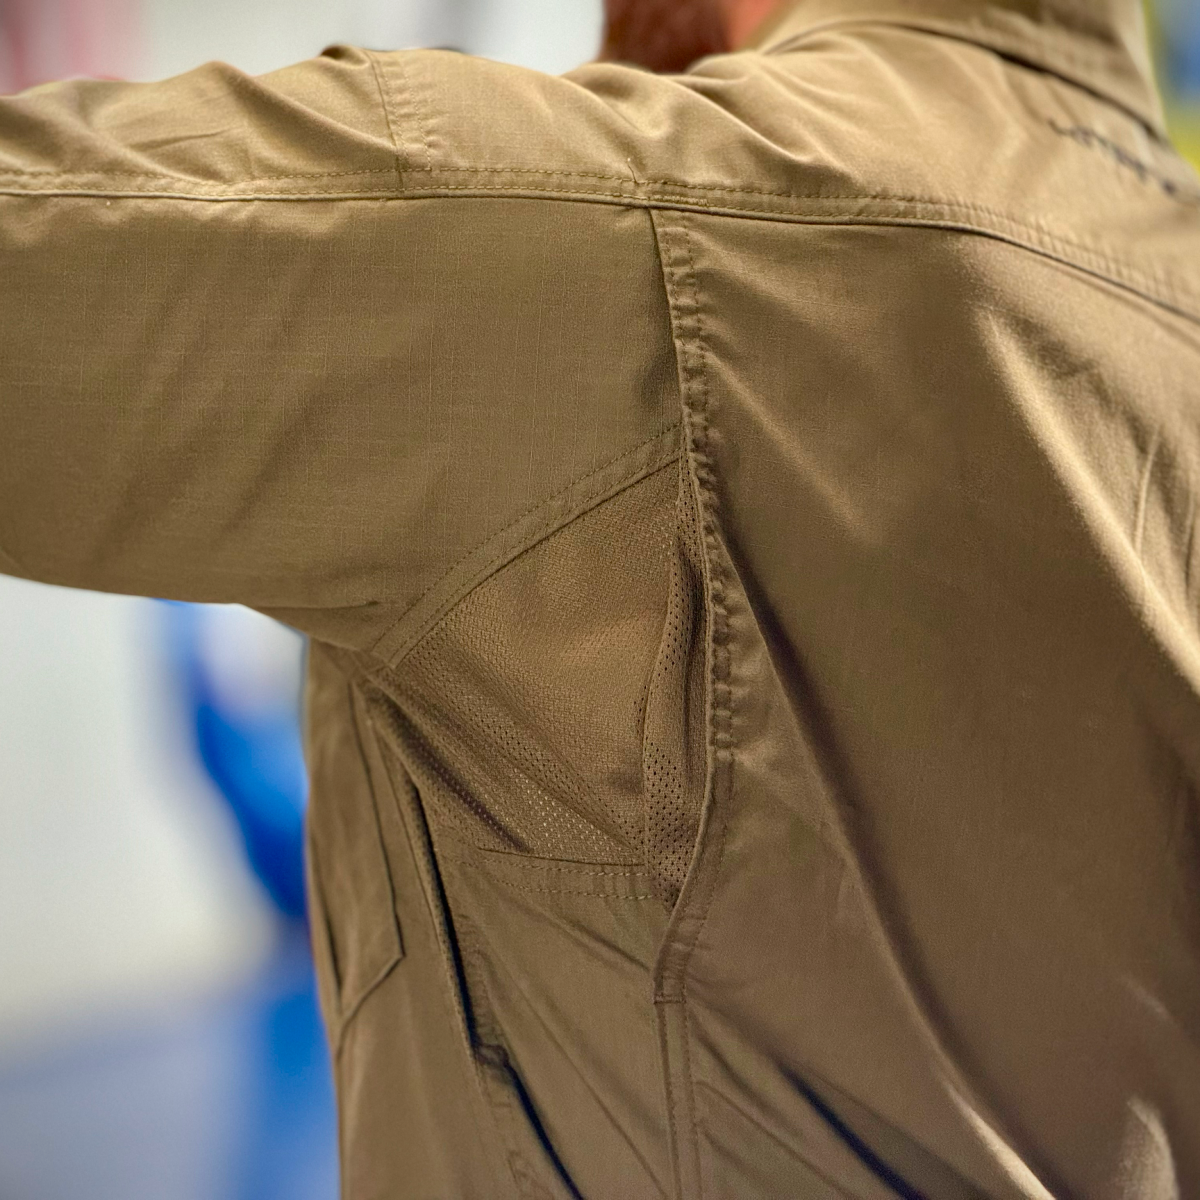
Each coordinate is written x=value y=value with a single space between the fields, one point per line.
x=239 y=362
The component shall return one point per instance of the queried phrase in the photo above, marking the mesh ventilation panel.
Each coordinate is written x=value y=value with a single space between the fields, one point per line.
x=525 y=704
x=674 y=740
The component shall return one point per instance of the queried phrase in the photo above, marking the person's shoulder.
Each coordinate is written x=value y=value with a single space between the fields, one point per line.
x=712 y=138
x=474 y=124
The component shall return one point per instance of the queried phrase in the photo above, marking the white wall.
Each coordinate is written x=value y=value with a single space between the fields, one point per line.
x=548 y=35
x=121 y=878
x=262 y=35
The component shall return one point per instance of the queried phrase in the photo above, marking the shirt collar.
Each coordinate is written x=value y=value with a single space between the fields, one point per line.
x=1100 y=45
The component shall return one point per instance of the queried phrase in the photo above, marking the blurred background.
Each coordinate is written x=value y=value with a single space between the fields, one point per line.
x=159 y=1035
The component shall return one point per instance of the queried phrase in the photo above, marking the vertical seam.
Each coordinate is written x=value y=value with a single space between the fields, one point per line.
x=664 y=1044
x=415 y=108
x=668 y=1052
x=720 y=718
x=721 y=728
x=701 y=452
x=690 y=354
x=388 y=118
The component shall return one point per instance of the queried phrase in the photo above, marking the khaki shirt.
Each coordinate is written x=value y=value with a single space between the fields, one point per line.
x=745 y=521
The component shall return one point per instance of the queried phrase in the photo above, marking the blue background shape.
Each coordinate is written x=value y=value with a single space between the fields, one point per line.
x=254 y=757
x=230 y=1098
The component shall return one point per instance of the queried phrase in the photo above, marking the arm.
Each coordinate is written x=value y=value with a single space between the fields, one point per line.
x=175 y=345
x=239 y=363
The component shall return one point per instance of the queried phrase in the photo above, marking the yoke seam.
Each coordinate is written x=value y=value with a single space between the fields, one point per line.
x=677 y=185
x=553 y=173
x=894 y=210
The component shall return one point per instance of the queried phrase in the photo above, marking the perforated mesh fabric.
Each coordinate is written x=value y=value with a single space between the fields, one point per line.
x=674 y=741
x=524 y=708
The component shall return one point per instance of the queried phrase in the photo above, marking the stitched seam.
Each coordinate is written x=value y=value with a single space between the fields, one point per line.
x=1043 y=240
x=472 y=862
x=466 y=860
x=720 y=625
x=663 y=1019
x=723 y=188
x=524 y=887
x=365 y=993
x=900 y=201
x=387 y=116
x=411 y=96
x=561 y=492
x=48 y=171
x=518 y=519
x=692 y=449
x=676 y=184
x=722 y=713
x=518 y=887
x=705 y=479
x=570 y=870
x=474 y=855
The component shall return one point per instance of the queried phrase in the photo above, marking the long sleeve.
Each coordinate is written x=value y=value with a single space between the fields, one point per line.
x=240 y=362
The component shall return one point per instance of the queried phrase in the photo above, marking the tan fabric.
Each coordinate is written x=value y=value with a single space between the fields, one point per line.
x=746 y=525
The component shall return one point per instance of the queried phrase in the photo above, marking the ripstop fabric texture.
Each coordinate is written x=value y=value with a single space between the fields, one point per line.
x=745 y=525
